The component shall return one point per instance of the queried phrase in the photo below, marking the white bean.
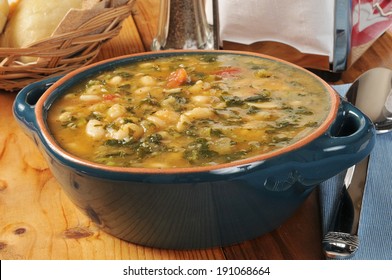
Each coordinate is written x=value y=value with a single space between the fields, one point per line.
x=168 y=101
x=194 y=114
x=167 y=116
x=183 y=123
x=116 y=111
x=146 y=65
x=90 y=97
x=138 y=131
x=95 y=89
x=262 y=115
x=65 y=117
x=164 y=118
x=196 y=88
x=147 y=81
x=222 y=145
x=98 y=107
x=199 y=100
x=265 y=105
x=95 y=129
x=127 y=131
x=115 y=80
x=199 y=113
x=172 y=90
x=157 y=121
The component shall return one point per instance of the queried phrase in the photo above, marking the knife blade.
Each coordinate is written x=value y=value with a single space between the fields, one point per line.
x=342 y=240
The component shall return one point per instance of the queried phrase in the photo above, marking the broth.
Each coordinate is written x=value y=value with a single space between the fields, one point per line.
x=188 y=110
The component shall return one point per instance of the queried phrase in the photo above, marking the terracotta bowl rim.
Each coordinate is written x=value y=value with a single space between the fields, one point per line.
x=55 y=147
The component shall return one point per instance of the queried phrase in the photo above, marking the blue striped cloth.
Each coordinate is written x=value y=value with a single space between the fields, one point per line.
x=375 y=230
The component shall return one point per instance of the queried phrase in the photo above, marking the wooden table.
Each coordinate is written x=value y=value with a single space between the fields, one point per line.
x=37 y=220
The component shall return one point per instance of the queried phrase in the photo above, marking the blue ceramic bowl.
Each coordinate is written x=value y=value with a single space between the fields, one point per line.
x=186 y=208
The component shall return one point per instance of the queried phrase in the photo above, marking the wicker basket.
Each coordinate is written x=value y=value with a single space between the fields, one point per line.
x=61 y=53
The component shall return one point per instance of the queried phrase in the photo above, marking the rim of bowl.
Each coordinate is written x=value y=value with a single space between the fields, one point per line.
x=56 y=148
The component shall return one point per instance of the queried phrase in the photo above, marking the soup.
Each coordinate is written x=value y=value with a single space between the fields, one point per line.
x=188 y=110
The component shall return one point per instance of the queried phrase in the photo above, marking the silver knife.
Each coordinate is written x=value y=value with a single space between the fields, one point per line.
x=341 y=240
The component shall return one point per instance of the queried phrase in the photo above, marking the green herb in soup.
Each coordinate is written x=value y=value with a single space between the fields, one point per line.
x=185 y=111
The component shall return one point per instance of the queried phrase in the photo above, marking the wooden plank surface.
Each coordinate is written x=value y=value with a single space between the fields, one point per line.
x=38 y=221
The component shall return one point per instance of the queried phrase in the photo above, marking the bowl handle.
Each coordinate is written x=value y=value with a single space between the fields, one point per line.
x=25 y=101
x=347 y=141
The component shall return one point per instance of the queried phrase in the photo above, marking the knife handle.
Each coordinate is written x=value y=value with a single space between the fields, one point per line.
x=340 y=245
x=342 y=240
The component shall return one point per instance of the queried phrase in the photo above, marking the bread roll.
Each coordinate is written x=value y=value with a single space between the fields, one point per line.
x=4 y=10
x=35 y=20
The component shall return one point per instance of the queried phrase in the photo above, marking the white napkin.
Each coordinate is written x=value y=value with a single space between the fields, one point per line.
x=306 y=25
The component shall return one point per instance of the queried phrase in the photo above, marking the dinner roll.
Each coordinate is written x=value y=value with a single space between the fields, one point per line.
x=32 y=21
x=4 y=10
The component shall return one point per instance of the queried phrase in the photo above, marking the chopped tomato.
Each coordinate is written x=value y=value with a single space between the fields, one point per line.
x=228 y=71
x=177 y=78
x=109 y=97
